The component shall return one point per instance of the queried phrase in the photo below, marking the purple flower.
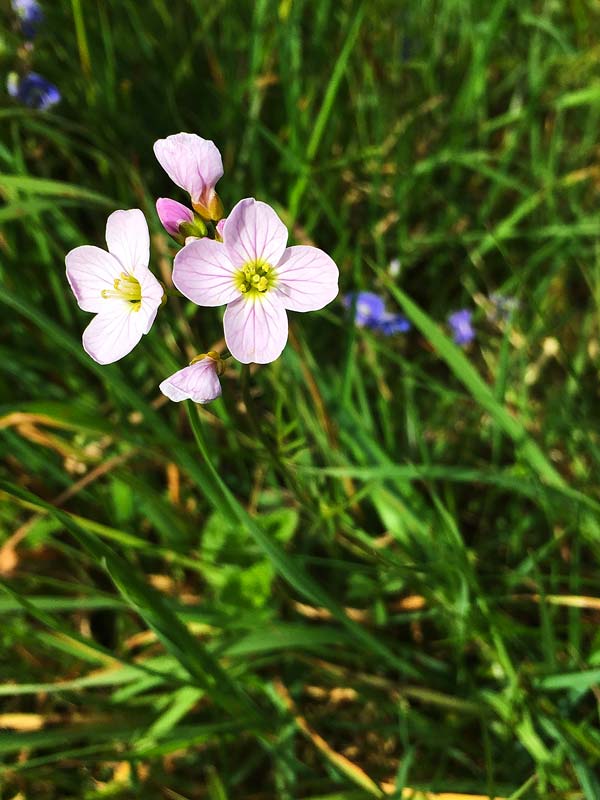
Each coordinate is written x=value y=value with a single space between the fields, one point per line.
x=392 y=323
x=368 y=308
x=463 y=332
x=33 y=90
x=369 y=312
x=30 y=16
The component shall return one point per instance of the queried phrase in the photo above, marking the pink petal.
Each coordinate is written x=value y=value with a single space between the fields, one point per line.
x=198 y=382
x=203 y=272
x=254 y=232
x=193 y=163
x=172 y=214
x=152 y=297
x=219 y=227
x=307 y=278
x=113 y=333
x=128 y=239
x=256 y=328
x=89 y=271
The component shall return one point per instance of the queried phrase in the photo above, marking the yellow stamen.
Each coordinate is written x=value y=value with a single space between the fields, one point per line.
x=254 y=278
x=126 y=288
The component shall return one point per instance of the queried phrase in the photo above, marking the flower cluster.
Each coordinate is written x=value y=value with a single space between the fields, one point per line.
x=26 y=86
x=369 y=311
x=241 y=261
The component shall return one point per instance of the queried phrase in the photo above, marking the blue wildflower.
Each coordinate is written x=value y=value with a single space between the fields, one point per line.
x=370 y=312
x=368 y=309
x=30 y=16
x=33 y=90
x=392 y=323
x=462 y=329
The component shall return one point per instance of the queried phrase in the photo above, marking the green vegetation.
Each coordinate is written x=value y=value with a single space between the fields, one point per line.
x=371 y=567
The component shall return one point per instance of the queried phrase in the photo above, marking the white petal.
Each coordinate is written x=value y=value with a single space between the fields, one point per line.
x=256 y=328
x=198 y=382
x=203 y=272
x=128 y=239
x=307 y=278
x=90 y=270
x=152 y=295
x=113 y=333
x=254 y=232
x=193 y=163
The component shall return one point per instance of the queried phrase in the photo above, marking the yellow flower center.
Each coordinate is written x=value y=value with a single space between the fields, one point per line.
x=254 y=278
x=126 y=288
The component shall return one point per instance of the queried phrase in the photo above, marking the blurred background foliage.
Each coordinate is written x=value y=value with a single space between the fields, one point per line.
x=389 y=584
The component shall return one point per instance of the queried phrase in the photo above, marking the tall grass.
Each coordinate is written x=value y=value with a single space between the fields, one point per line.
x=370 y=569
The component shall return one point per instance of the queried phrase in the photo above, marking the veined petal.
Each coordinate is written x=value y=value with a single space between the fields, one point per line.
x=254 y=232
x=128 y=239
x=90 y=270
x=203 y=272
x=198 y=382
x=307 y=278
x=114 y=333
x=256 y=328
x=172 y=214
x=152 y=295
x=193 y=163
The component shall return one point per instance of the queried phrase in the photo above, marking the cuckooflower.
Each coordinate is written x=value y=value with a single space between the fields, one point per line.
x=198 y=382
x=172 y=214
x=117 y=286
x=195 y=165
x=33 y=90
x=219 y=229
x=179 y=220
x=258 y=277
x=461 y=326
x=30 y=16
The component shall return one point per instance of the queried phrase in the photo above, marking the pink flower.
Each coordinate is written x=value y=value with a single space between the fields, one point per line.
x=117 y=286
x=172 y=214
x=195 y=165
x=198 y=382
x=254 y=272
x=219 y=229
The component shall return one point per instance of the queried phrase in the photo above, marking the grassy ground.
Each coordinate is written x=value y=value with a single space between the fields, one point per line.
x=372 y=567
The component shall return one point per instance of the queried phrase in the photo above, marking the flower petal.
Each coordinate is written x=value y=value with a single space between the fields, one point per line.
x=203 y=272
x=172 y=214
x=89 y=271
x=307 y=278
x=198 y=382
x=128 y=239
x=254 y=232
x=113 y=333
x=256 y=328
x=152 y=297
x=219 y=228
x=193 y=163
x=369 y=307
